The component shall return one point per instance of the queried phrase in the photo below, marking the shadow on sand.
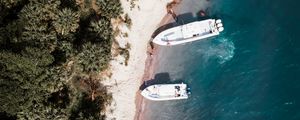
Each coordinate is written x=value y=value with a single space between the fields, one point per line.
x=159 y=78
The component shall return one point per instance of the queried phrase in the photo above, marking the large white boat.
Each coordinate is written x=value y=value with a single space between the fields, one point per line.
x=162 y=92
x=189 y=32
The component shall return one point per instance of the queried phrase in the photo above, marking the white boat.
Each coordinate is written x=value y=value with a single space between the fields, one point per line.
x=189 y=32
x=162 y=92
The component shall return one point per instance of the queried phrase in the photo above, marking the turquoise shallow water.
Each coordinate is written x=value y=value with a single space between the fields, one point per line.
x=250 y=72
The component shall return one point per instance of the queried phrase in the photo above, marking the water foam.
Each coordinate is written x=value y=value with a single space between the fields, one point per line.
x=220 y=48
x=224 y=50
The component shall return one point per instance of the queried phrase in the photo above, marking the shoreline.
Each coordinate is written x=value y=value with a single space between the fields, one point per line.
x=126 y=80
x=151 y=65
x=174 y=7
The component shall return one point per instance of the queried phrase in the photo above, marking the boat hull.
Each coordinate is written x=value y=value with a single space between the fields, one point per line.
x=164 y=92
x=189 y=32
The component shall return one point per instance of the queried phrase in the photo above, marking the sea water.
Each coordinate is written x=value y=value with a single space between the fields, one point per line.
x=251 y=71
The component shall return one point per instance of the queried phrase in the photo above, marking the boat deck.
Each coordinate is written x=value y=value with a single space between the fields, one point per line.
x=187 y=33
x=166 y=92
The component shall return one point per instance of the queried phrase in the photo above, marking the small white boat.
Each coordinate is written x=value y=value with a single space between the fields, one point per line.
x=189 y=32
x=162 y=92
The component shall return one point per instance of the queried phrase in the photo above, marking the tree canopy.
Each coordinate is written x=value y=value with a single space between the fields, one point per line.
x=49 y=49
x=66 y=21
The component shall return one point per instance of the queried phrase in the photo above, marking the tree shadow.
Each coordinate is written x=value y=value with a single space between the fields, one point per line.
x=159 y=78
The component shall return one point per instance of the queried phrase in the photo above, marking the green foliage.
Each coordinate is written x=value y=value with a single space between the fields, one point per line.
x=28 y=63
x=36 y=11
x=128 y=21
x=92 y=99
x=12 y=32
x=88 y=109
x=35 y=18
x=85 y=7
x=66 y=21
x=93 y=58
x=109 y=8
x=67 y=48
x=102 y=28
x=39 y=111
x=22 y=77
x=9 y=3
x=45 y=44
x=125 y=52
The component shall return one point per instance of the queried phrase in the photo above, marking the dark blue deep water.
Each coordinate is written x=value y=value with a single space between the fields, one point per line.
x=250 y=72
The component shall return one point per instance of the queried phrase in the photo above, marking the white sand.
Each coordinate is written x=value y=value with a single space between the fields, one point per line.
x=126 y=80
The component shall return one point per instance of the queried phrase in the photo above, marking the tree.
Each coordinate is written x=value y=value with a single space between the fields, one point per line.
x=93 y=58
x=44 y=46
x=40 y=10
x=109 y=8
x=12 y=32
x=66 y=21
x=23 y=79
x=9 y=3
x=101 y=28
x=36 y=17
x=40 y=111
x=92 y=99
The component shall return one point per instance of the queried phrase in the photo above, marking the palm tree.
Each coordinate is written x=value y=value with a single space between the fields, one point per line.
x=93 y=58
x=109 y=8
x=66 y=21
x=102 y=28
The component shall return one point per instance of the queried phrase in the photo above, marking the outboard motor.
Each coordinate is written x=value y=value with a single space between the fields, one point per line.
x=219 y=25
x=218 y=21
x=220 y=29
x=188 y=91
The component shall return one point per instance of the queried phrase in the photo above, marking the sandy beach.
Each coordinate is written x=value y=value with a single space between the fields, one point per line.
x=151 y=64
x=126 y=80
x=152 y=60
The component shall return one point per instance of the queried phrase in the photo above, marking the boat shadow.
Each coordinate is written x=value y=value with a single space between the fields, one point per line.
x=160 y=78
